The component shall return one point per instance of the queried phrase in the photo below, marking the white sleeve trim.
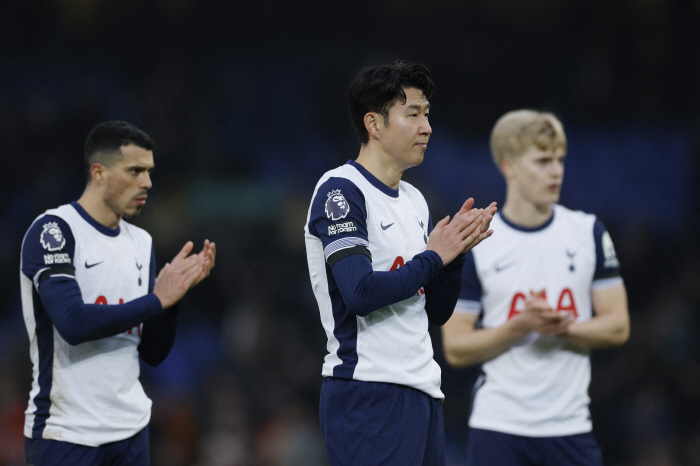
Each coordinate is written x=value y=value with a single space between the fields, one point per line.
x=343 y=243
x=604 y=283
x=468 y=307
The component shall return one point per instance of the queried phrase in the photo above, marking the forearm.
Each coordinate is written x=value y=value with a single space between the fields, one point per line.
x=78 y=322
x=442 y=292
x=365 y=290
x=601 y=331
x=158 y=337
x=475 y=346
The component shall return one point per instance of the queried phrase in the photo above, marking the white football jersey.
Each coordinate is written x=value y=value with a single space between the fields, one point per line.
x=539 y=387
x=350 y=208
x=89 y=393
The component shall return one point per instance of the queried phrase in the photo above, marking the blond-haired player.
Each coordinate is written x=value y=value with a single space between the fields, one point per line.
x=546 y=289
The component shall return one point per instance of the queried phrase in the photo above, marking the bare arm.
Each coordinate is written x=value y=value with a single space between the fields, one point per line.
x=465 y=345
x=610 y=326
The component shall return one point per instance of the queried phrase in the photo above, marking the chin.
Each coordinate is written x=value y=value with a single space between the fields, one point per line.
x=132 y=213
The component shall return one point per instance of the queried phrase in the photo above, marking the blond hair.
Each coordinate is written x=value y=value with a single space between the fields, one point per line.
x=517 y=131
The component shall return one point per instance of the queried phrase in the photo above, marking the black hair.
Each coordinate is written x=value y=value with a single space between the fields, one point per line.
x=103 y=144
x=377 y=88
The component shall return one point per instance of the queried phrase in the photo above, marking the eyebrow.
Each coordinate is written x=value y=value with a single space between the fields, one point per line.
x=418 y=107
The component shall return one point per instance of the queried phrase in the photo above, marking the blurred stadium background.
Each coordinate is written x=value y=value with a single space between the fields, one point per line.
x=246 y=103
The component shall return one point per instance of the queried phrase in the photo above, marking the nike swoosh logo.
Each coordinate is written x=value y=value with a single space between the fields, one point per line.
x=87 y=266
x=501 y=268
x=385 y=227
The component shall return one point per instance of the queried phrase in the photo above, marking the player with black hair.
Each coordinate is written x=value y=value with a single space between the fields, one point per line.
x=93 y=306
x=381 y=274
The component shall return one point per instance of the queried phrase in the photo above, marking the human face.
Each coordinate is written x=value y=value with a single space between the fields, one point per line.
x=405 y=137
x=536 y=176
x=128 y=181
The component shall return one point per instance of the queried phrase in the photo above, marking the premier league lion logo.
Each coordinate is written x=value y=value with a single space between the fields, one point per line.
x=52 y=237
x=337 y=206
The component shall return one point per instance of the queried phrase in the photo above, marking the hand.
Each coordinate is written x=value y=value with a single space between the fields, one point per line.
x=185 y=271
x=450 y=238
x=484 y=232
x=208 y=256
x=547 y=321
x=467 y=229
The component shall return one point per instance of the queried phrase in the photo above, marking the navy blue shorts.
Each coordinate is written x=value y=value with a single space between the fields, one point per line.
x=134 y=451
x=487 y=448
x=374 y=423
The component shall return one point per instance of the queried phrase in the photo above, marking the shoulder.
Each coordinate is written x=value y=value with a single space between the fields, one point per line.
x=577 y=217
x=136 y=233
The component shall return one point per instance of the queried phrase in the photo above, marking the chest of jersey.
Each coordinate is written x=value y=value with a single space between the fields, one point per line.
x=397 y=230
x=559 y=260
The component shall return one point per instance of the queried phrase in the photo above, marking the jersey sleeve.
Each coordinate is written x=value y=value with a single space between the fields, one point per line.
x=607 y=270
x=48 y=249
x=338 y=217
x=47 y=258
x=469 y=301
x=159 y=332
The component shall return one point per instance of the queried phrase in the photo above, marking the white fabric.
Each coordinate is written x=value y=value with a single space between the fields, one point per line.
x=539 y=387
x=96 y=396
x=393 y=344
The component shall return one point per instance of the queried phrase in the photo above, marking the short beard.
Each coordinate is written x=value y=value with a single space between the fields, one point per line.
x=110 y=199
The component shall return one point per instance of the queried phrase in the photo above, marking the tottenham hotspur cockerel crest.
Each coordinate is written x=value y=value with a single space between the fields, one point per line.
x=52 y=238
x=337 y=206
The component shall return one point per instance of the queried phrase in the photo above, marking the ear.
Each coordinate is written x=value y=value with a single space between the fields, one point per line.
x=507 y=167
x=372 y=124
x=98 y=172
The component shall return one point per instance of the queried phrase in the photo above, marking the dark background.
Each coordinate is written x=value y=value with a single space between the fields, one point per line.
x=246 y=103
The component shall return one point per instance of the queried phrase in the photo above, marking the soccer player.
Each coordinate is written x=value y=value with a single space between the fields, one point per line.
x=546 y=289
x=381 y=273
x=93 y=306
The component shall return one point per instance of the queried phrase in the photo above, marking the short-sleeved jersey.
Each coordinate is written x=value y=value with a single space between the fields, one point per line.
x=89 y=393
x=539 y=387
x=350 y=208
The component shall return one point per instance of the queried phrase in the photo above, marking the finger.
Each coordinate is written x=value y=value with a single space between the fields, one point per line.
x=468 y=204
x=442 y=222
x=185 y=251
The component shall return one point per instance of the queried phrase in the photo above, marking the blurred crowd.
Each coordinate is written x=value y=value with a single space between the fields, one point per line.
x=241 y=139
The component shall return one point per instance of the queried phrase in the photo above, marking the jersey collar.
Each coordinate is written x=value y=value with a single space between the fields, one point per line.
x=515 y=226
x=374 y=181
x=98 y=226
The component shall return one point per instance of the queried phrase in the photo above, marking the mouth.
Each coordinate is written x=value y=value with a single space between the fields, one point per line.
x=422 y=145
x=140 y=200
x=554 y=188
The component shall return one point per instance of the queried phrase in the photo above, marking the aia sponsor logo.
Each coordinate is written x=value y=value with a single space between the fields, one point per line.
x=565 y=303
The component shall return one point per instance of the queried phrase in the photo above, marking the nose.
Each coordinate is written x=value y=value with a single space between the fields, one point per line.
x=146 y=182
x=425 y=127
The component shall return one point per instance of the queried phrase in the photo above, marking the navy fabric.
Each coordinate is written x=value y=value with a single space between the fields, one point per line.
x=601 y=271
x=515 y=226
x=134 y=451
x=319 y=221
x=158 y=333
x=373 y=180
x=471 y=285
x=391 y=425
x=78 y=322
x=44 y=336
x=365 y=290
x=98 y=226
x=488 y=448
x=442 y=292
x=34 y=252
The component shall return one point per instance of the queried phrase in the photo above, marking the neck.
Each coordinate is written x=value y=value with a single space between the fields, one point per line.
x=95 y=206
x=525 y=213
x=379 y=164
